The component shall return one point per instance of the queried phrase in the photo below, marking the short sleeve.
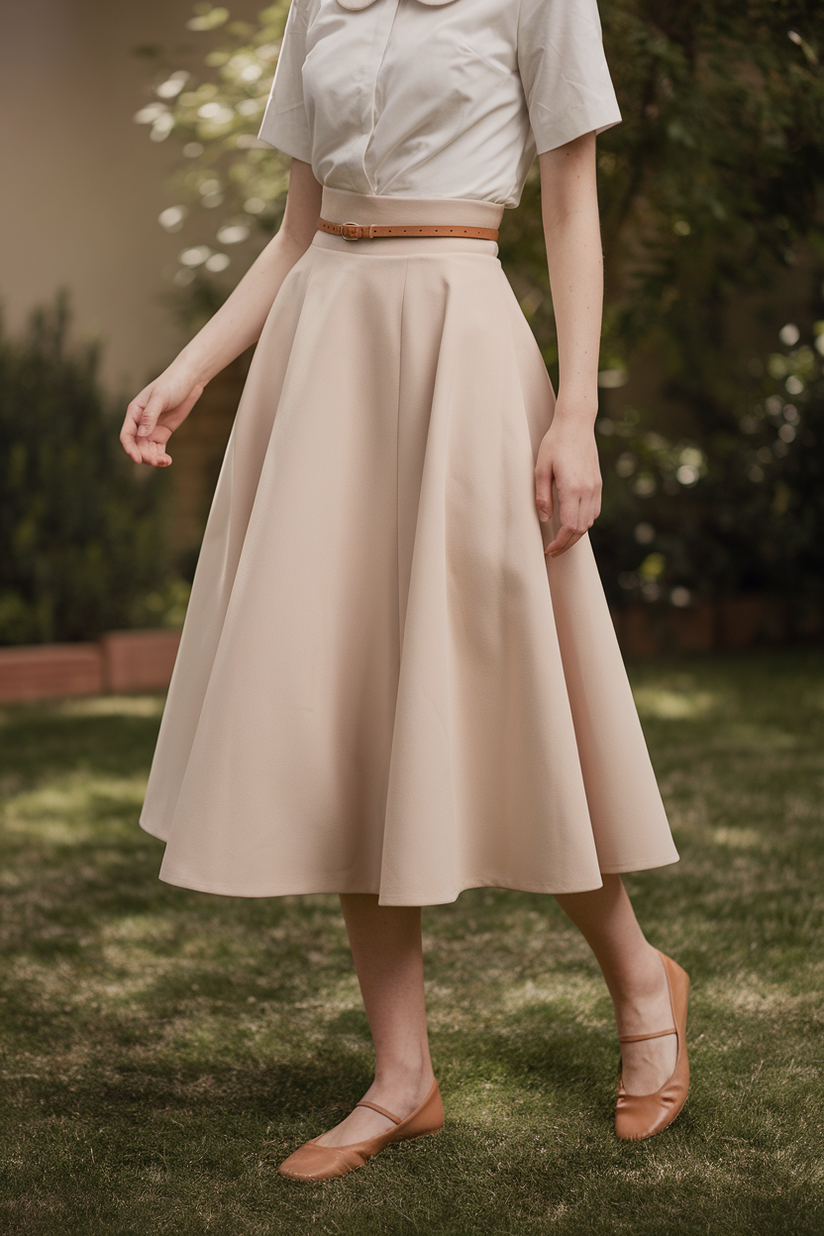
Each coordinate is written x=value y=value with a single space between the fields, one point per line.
x=284 y=123
x=564 y=71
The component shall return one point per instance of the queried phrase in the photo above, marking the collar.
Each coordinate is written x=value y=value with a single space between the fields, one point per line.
x=364 y=4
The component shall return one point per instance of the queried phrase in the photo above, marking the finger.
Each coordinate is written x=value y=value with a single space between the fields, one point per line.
x=155 y=454
x=127 y=441
x=128 y=432
x=569 y=516
x=543 y=492
x=139 y=450
x=561 y=541
x=131 y=421
x=590 y=510
x=148 y=417
x=573 y=539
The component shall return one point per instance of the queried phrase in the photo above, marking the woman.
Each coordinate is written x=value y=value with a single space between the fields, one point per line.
x=398 y=677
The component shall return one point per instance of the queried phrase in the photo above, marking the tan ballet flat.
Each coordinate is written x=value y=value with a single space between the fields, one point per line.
x=313 y=1162
x=642 y=1115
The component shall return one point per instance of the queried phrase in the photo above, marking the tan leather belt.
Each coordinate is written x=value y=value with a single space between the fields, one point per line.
x=376 y=231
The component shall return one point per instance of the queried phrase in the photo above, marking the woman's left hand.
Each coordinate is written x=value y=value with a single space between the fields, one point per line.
x=568 y=464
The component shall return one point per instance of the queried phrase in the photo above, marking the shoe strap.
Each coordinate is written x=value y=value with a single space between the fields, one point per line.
x=381 y=1110
x=639 y=1038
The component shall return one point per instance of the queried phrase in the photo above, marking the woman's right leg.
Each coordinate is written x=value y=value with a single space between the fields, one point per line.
x=388 y=955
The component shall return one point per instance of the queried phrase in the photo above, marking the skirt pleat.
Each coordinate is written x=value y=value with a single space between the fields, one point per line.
x=382 y=685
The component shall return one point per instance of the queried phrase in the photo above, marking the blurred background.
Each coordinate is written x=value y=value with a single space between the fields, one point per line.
x=136 y=194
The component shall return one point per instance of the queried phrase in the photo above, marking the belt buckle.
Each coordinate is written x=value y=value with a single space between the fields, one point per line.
x=358 y=228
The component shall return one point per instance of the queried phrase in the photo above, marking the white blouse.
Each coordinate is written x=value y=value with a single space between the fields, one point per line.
x=436 y=98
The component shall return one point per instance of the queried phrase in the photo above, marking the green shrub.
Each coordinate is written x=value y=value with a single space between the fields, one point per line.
x=80 y=527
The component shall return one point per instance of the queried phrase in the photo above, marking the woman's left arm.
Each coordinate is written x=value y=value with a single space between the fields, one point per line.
x=568 y=457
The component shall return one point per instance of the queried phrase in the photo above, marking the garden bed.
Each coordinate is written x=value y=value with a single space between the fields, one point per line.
x=731 y=624
x=118 y=661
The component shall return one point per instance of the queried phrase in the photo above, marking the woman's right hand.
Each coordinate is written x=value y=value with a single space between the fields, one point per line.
x=154 y=415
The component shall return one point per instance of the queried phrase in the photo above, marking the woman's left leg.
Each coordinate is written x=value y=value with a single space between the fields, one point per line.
x=634 y=976
x=386 y=948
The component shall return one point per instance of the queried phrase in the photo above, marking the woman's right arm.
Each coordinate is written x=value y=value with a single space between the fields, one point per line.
x=156 y=412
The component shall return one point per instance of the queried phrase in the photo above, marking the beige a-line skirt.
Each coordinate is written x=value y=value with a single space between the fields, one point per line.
x=383 y=686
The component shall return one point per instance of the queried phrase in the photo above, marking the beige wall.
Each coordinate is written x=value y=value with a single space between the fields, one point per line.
x=81 y=185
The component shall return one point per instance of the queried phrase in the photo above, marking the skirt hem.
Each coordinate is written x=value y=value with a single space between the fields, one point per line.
x=447 y=898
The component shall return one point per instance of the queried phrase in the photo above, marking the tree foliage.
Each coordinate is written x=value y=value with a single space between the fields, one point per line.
x=229 y=187
x=81 y=533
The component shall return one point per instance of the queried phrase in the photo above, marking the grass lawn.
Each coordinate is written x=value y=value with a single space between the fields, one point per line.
x=161 y=1050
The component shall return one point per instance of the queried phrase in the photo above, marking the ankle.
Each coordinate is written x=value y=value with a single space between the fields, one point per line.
x=644 y=984
x=402 y=1075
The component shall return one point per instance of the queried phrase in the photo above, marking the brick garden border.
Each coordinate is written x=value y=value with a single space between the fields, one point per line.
x=118 y=661
x=732 y=624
